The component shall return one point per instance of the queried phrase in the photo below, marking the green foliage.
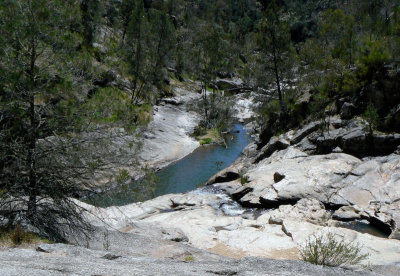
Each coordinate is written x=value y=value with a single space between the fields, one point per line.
x=91 y=16
x=372 y=118
x=244 y=180
x=331 y=250
x=189 y=258
x=114 y=107
x=205 y=141
x=374 y=55
x=122 y=177
x=199 y=131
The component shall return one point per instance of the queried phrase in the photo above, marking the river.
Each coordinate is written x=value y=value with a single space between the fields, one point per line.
x=182 y=176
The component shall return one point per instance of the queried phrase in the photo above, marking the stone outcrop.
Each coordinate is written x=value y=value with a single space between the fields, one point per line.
x=311 y=164
x=61 y=259
x=208 y=219
x=167 y=137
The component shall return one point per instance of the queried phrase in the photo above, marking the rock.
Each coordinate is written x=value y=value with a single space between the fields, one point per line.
x=347 y=111
x=278 y=177
x=306 y=146
x=334 y=179
x=275 y=144
x=170 y=132
x=226 y=84
x=82 y=261
x=337 y=150
x=40 y=249
x=305 y=131
x=396 y=226
x=347 y=213
x=381 y=251
x=384 y=144
x=310 y=210
x=110 y=257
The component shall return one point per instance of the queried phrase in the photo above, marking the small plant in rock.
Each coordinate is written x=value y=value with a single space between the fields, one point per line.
x=106 y=240
x=243 y=178
x=189 y=258
x=329 y=249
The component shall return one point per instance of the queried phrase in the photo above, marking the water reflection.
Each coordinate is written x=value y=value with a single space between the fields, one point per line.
x=196 y=168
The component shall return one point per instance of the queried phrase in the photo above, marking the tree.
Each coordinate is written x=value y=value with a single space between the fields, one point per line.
x=127 y=7
x=162 y=45
x=136 y=52
x=338 y=33
x=44 y=161
x=274 y=42
x=212 y=54
x=91 y=16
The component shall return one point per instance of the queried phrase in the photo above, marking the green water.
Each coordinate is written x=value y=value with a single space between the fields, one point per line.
x=182 y=176
x=196 y=168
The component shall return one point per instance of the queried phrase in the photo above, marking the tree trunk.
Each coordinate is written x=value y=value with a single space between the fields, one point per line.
x=282 y=115
x=205 y=102
x=32 y=188
x=137 y=58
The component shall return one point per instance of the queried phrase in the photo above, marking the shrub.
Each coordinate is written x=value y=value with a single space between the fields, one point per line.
x=372 y=118
x=18 y=236
x=189 y=258
x=205 y=141
x=331 y=250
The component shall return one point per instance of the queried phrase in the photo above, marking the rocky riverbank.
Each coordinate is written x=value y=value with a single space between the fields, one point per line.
x=253 y=217
x=275 y=196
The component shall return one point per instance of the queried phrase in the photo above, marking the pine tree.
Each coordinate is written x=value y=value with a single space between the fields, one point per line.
x=43 y=162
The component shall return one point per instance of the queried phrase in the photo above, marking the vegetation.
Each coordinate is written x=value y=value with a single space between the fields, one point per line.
x=17 y=237
x=72 y=70
x=331 y=250
x=205 y=141
x=189 y=258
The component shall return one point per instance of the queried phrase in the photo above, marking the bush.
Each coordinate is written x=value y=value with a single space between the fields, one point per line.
x=18 y=236
x=205 y=141
x=331 y=250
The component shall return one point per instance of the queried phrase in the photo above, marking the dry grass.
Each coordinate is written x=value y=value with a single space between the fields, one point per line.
x=19 y=237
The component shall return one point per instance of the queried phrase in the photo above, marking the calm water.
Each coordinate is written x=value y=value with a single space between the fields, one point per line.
x=196 y=168
x=182 y=176
x=364 y=227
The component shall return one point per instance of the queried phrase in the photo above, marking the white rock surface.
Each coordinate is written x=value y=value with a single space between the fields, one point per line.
x=167 y=137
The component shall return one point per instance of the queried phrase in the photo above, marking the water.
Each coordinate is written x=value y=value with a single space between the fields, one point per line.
x=182 y=176
x=226 y=206
x=195 y=169
x=363 y=226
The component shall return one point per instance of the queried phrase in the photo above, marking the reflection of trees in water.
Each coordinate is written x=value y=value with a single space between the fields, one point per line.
x=184 y=175
x=128 y=191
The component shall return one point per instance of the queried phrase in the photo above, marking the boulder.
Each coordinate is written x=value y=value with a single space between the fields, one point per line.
x=347 y=111
x=275 y=144
x=305 y=131
x=310 y=210
x=226 y=84
x=347 y=213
